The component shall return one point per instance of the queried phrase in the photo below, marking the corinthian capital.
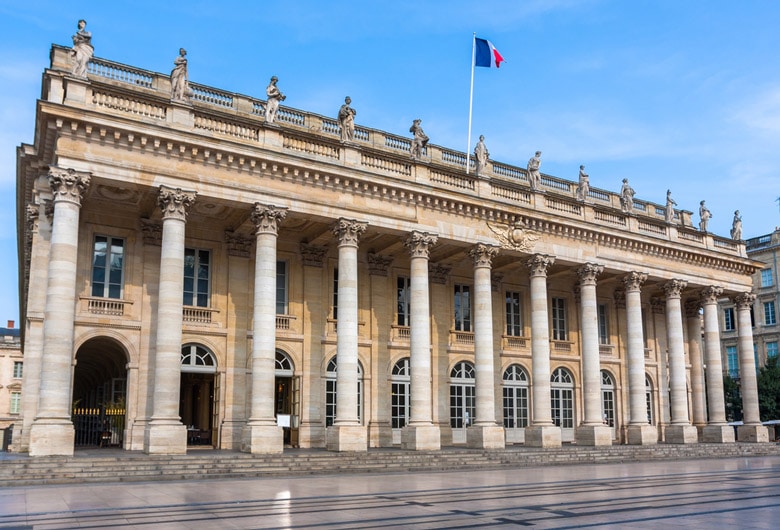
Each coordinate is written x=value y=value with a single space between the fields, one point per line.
x=483 y=254
x=710 y=295
x=420 y=243
x=174 y=203
x=539 y=263
x=744 y=300
x=673 y=288
x=68 y=185
x=634 y=280
x=348 y=231
x=267 y=218
x=589 y=272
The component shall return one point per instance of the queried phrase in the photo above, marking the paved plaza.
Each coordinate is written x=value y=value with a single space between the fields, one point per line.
x=719 y=493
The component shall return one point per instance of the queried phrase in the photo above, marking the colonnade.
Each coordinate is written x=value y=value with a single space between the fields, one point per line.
x=52 y=431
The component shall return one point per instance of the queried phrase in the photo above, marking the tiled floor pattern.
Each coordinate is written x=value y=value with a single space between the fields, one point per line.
x=724 y=493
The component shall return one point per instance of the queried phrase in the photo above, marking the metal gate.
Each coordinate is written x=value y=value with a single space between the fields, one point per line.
x=99 y=426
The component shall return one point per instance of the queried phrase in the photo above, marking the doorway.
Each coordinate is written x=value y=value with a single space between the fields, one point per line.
x=198 y=395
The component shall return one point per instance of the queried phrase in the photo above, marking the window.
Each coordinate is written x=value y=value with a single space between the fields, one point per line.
x=515 y=397
x=770 y=317
x=197 y=267
x=771 y=350
x=107 y=266
x=607 y=398
x=196 y=358
x=330 y=393
x=514 y=319
x=400 y=381
x=733 y=361
x=649 y=399
x=281 y=287
x=603 y=324
x=766 y=278
x=334 y=307
x=19 y=365
x=16 y=402
x=462 y=397
x=562 y=398
x=462 y=308
x=729 y=324
x=559 y=328
x=403 y=296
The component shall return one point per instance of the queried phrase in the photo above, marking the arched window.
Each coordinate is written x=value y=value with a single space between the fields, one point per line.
x=649 y=400
x=195 y=358
x=330 y=393
x=515 y=397
x=607 y=398
x=462 y=395
x=562 y=398
x=400 y=391
x=284 y=366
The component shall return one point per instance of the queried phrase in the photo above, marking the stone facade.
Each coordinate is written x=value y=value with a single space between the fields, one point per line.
x=228 y=283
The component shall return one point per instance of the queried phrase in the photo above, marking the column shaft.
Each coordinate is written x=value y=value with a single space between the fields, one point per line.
x=693 y=325
x=640 y=432
x=716 y=431
x=680 y=430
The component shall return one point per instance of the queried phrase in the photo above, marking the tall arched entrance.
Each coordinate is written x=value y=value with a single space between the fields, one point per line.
x=99 y=393
x=287 y=398
x=199 y=395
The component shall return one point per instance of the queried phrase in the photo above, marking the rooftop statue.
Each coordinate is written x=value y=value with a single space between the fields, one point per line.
x=583 y=186
x=705 y=215
x=670 y=204
x=82 y=50
x=534 y=177
x=736 y=227
x=180 y=83
x=347 y=120
x=481 y=154
x=627 y=197
x=274 y=97
x=419 y=141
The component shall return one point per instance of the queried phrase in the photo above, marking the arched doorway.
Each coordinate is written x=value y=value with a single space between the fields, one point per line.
x=330 y=392
x=400 y=381
x=287 y=398
x=608 y=401
x=462 y=398
x=199 y=395
x=515 y=403
x=562 y=405
x=99 y=393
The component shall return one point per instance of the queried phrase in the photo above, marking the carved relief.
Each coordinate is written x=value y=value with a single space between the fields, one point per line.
x=151 y=232
x=495 y=281
x=692 y=307
x=312 y=255
x=658 y=305
x=420 y=243
x=483 y=254
x=513 y=236
x=238 y=245
x=378 y=265
x=174 y=203
x=619 y=296
x=68 y=184
x=267 y=218
x=438 y=273
x=348 y=231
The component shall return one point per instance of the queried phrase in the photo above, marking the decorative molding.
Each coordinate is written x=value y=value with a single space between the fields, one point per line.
x=513 y=236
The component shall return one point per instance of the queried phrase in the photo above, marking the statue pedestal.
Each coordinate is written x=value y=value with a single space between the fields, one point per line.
x=596 y=435
x=543 y=436
x=485 y=437
x=421 y=437
x=642 y=435
x=717 y=434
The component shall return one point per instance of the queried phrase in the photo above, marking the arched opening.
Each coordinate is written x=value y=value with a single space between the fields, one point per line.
x=100 y=393
x=562 y=402
x=608 y=400
x=462 y=400
x=198 y=396
x=287 y=398
x=649 y=400
x=330 y=393
x=400 y=381
x=515 y=403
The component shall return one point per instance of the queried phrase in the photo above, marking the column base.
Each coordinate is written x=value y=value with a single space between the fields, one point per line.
x=52 y=438
x=485 y=437
x=681 y=434
x=425 y=437
x=231 y=434
x=262 y=439
x=543 y=436
x=717 y=434
x=752 y=433
x=168 y=438
x=380 y=434
x=347 y=438
x=642 y=435
x=596 y=435
x=311 y=434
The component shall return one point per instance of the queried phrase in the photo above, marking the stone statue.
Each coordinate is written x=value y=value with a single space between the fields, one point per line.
x=534 y=177
x=274 y=97
x=705 y=215
x=419 y=141
x=670 y=204
x=736 y=227
x=347 y=120
x=180 y=83
x=627 y=197
x=481 y=154
x=583 y=186
x=82 y=50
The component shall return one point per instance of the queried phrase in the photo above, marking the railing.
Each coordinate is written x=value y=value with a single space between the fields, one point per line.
x=606 y=349
x=107 y=306
x=509 y=172
x=211 y=96
x=119 y=72
x=198 y=315
x=283 y=322
x=561 y=346
x=400 y=333
x=515 y=343
x=461 y=338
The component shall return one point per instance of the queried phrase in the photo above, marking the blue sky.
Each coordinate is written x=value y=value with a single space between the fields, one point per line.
x=680 y=95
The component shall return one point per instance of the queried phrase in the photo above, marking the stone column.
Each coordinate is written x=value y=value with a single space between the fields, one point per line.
x=640 y=432
x=485 y=433
x=52 y=433
x=347 y=434
x=716 y=431
x=420 y=434
x=165 y=433
x=693 y=326
x=542 y=432
x=752 y=430
x=680 y=431
x=592 y=431
x=262 y=434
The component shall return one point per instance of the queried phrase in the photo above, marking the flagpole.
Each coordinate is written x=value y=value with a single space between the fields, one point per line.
x=471 y=100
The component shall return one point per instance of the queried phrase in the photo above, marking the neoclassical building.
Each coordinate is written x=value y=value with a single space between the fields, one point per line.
x=192 y=274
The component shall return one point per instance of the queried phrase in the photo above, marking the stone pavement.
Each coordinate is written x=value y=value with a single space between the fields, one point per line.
x=718 y=493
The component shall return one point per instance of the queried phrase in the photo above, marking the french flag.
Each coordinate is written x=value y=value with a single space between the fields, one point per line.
x=487 y=54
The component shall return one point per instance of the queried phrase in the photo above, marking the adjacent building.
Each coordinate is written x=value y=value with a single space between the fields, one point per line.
x=11 y=371
x=194 y=273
